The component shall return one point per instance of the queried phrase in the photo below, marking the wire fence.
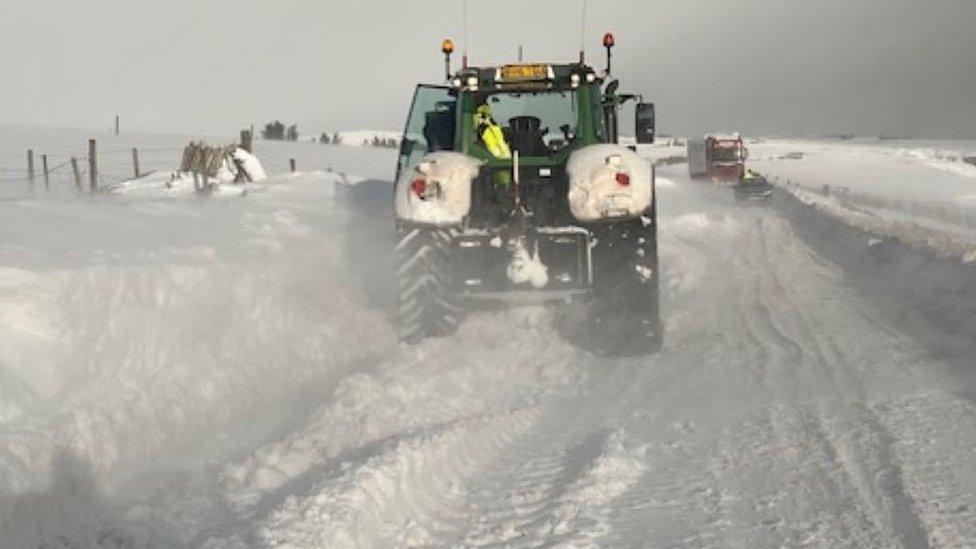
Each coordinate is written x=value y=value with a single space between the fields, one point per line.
x=71 y=170
x=68 y=169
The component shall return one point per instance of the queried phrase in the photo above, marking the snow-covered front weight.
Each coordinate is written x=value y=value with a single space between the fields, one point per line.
x=425 y=299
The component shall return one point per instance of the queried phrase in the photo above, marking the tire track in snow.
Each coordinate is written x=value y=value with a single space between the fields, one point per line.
x=759 y=322
x=939 y=464
x=438 y=399
x=786 y=426
x=807 y=426
x=404 y=496
x=862 y=445
x=554 y=485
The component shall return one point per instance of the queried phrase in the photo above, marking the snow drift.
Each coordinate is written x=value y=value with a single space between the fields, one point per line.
x=928 y=281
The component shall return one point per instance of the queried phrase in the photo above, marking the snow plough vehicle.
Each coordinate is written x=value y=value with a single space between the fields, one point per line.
x=753 y=187
x=512 y=187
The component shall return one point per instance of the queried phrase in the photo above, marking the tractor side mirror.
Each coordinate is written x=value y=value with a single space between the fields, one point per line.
x=644 y=122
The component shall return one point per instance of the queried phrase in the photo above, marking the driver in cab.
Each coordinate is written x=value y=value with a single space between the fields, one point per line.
x=491 y=133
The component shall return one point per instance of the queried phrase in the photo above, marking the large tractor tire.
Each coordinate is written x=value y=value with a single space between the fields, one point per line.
x=426 y=298
x=624 y=316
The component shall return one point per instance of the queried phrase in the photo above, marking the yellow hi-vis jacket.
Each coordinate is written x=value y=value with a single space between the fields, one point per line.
x=492 y=136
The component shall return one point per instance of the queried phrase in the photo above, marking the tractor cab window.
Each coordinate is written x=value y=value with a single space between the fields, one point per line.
x=430 y=126
x=534 y=123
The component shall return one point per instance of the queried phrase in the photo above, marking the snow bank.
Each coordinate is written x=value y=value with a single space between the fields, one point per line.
x=926 y=279
x=951 y=161
x=944 y=242
x=155 y=334
x=250 y=164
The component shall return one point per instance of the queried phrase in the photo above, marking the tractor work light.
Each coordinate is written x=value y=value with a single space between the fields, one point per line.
x=447 y=47
x=608 y=43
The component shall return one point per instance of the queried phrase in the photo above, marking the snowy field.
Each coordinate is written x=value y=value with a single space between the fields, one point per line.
x=913 y=170
x=924 y=183
x=178 y=371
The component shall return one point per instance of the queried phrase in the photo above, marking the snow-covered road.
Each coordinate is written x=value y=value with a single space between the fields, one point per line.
x=222 y=374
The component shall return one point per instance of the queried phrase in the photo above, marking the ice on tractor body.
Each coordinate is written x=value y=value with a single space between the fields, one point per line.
x=597 y=189
x=451 y=173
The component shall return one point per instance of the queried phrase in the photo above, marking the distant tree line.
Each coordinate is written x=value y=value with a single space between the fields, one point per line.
x=335 y=139
x=384 y=142
x=277 y=131
x=376 y=141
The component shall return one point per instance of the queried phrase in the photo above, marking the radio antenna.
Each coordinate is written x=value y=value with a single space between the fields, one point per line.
x=464 y=33
x=582 y=43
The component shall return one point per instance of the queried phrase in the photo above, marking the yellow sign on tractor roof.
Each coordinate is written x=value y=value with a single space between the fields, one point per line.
x=523 y=73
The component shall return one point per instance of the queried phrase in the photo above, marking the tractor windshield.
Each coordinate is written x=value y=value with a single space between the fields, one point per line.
x=534 y=123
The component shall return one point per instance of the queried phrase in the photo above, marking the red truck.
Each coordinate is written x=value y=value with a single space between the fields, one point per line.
x=717 y=157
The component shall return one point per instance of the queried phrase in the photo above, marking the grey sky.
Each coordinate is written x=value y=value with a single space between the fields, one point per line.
x=759 y=66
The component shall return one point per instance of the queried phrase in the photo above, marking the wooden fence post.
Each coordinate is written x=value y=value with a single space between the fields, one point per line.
x=246 y=141
x=74 y=168
x=47 y=177
x=135 y=161
x=30 y=168
x=92 y=166
x=291 y=164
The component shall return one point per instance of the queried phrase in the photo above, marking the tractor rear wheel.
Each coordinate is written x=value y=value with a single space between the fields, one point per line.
x=624 y=315
x=426 y=304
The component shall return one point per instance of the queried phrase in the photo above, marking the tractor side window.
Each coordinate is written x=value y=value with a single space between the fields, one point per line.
x=439 y=127
x=430 y=125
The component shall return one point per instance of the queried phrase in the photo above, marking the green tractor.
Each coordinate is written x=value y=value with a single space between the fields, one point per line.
x=511 y=187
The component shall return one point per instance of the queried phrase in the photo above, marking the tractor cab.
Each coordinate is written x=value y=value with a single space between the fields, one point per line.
x=544 y=112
